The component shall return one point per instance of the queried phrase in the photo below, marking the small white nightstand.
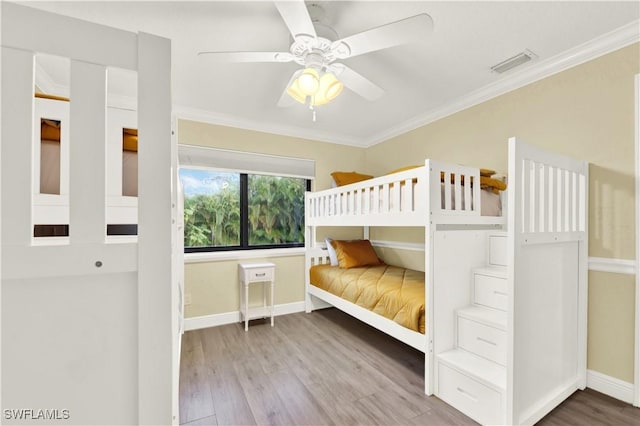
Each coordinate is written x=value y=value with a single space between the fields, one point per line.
x=249 y=273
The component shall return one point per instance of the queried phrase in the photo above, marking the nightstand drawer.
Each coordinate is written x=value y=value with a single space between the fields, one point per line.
x=258 y=274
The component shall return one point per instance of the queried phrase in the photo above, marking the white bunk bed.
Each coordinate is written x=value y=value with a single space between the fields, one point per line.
x=50 y=172
x=539 y=321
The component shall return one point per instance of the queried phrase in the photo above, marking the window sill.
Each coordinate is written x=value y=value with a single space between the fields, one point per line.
x=219 y=256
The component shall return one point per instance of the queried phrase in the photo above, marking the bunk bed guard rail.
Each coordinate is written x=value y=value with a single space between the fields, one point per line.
x=408 y=196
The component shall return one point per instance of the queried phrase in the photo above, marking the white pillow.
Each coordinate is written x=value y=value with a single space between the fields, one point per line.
x=332 y=252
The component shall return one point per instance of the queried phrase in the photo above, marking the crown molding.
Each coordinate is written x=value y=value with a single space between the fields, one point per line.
x=194 y=114
x=606 y=43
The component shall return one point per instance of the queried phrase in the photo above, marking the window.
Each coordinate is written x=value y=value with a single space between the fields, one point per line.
x=236 y=211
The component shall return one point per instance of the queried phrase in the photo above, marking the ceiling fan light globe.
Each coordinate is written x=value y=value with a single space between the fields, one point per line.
x=308 y=82
x=295 y=93
x=334 y=90
x=330 y=88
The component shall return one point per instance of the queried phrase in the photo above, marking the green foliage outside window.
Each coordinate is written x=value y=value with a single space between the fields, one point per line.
x=212 y=220
x=276 y=210
x=213 y=211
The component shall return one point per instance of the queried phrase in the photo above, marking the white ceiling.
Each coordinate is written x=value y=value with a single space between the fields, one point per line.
x=446 y=71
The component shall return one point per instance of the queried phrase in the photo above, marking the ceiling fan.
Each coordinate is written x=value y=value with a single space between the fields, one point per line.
x=317 y=49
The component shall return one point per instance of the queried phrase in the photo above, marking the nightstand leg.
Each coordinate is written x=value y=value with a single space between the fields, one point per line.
x=246 y=306
x=272 y=301
x=264 y=299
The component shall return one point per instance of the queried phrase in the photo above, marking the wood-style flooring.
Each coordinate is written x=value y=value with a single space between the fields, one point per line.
x=327 y=368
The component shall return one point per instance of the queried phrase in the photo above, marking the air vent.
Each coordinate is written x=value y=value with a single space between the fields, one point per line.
x=519 y=59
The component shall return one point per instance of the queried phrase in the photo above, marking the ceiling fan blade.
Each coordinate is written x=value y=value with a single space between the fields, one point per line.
x=248 y=56
x=296 y=17
x=357 y=83
x=396 y=33
x=286 y=100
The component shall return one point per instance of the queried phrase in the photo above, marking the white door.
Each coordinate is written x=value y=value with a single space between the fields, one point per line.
x=88 y=324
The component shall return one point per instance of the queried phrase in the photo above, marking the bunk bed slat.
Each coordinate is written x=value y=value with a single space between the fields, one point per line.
x=536 y=223
x=447 y=191
x=468 y=200
x=408 y=196
x=87 y=191
x=526 y=196
x=573 y=201
x=583 y=201
x=560 y=200
x=376 y=200
x=367 y=201
x=552 y=205
x=385 y=198
x=457 y=192
x=476 y=196
x=567 y=201
x=397 y=189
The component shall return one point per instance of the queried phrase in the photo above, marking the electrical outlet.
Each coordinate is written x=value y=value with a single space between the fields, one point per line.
x=187 y=299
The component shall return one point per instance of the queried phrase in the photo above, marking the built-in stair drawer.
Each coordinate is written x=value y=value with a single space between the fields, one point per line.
x=490 y=291
x=483 y=340
x=480 y=402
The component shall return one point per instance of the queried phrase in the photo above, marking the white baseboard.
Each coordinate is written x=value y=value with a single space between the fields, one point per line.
x=289 y=308
x=615 y=388
x=214 y=320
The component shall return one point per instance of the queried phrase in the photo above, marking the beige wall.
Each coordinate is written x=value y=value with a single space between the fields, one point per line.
x=213 y=286
x=611 y=324
x=586 y=112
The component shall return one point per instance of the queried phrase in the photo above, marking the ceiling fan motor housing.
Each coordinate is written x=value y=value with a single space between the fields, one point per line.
x=315 y=59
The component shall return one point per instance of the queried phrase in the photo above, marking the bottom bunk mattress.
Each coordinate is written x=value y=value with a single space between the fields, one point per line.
x=390 y=291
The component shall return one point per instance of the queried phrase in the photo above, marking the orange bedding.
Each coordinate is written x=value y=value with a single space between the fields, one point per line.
x=393 y=292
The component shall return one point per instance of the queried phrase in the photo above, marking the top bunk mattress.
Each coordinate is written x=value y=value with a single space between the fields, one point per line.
x=393 y=292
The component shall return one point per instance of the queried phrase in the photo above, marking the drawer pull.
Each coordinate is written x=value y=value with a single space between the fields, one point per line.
x=467 y=394
x=500 y=293
x=261 y=275
x=486 y=341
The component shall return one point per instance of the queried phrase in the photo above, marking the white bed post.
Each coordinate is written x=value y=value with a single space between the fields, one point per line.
x=583 y=286
x=514 y=210
x=309 y=242
x=429 y=228
x=156 y=292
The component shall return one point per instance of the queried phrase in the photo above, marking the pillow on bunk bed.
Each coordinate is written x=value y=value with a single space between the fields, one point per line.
x=492 y=184
x=352 y=254
x=346 y=178
x=331 y=251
